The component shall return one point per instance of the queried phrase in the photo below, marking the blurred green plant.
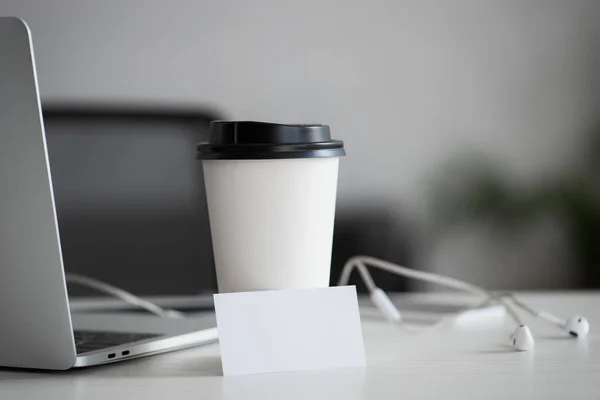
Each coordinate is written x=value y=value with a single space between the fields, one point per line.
x=474 y=190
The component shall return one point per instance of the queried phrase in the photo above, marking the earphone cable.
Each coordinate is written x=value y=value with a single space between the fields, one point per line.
x=124 y=295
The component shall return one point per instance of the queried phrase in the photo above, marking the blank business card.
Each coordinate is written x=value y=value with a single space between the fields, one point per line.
x=289 y=330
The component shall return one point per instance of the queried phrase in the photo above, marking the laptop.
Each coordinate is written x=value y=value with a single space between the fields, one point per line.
x=38 y=328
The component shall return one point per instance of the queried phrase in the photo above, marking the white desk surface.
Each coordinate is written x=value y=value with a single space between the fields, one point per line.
x=446 y=363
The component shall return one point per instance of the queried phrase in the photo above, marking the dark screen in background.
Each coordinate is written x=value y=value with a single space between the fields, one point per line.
x=130 y=200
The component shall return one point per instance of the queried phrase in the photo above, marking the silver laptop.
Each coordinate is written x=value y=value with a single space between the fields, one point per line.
x=37 y=328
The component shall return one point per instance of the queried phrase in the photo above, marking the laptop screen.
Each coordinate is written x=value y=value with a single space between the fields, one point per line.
x=130 y=199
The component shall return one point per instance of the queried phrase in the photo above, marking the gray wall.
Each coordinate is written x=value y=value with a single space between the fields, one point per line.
x=404 y=83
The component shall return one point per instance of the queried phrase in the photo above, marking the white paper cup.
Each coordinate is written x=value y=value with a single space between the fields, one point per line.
x=272 y=218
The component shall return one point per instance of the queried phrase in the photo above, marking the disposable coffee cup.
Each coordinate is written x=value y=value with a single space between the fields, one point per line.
x=271 y=193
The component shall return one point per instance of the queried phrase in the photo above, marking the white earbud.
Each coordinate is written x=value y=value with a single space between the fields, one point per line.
x=522 y=339
x=576 y=326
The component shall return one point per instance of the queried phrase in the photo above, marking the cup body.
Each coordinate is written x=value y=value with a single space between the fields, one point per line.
x=271 y=221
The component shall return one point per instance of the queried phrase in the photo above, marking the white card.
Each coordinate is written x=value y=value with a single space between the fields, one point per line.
x=289 y=330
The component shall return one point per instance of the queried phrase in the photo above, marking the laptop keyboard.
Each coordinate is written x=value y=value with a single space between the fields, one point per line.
x=93 y=340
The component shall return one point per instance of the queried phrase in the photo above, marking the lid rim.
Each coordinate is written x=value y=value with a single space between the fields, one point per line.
x=323 y=153
x=331 y=144
x=263 y=140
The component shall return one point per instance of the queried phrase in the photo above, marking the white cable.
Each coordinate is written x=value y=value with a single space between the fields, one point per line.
x=444 y=320
x=538 y=314
x=522 y=305
x=123 y=295
x=511 y=312
x=361 y=263
x=356 y=261
x=367 y=278
x=461 y=312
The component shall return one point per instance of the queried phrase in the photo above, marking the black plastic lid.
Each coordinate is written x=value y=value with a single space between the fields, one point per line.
x=249 y=140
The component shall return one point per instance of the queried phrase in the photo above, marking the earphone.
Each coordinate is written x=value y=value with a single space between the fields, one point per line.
x=520 y=340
